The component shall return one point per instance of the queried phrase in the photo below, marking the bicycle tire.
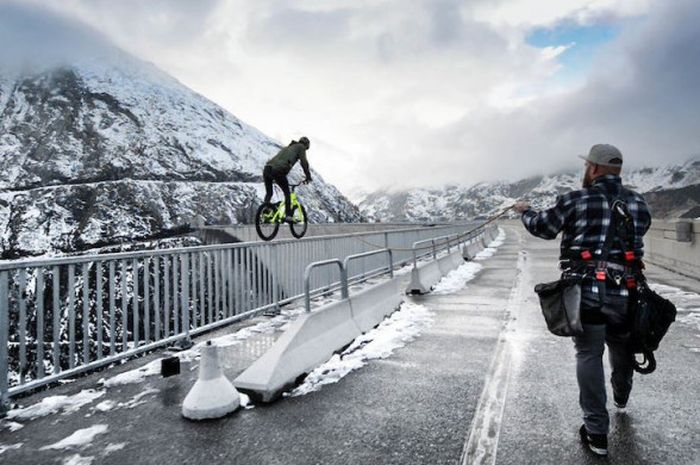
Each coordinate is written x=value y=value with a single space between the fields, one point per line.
x=299 y=229
x=259 y=224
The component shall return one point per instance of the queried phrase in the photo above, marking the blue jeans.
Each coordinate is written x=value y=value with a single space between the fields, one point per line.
x=589 y=361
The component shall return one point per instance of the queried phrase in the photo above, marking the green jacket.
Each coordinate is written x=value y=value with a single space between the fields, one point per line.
x=287 y=157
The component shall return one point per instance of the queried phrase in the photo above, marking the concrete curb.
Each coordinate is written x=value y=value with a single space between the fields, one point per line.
x=423 y=277
x=446 y=264
x=314 y=337
x=471 y=249
x=372 y=305
x=310 y=340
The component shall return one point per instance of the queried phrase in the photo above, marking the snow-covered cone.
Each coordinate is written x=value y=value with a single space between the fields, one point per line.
x=212 y=396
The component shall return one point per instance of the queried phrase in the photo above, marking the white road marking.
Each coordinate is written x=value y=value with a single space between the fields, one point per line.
x=482 y=443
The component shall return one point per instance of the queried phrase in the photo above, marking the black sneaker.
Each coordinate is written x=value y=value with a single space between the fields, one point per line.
x=598 y=443
x=619 y=402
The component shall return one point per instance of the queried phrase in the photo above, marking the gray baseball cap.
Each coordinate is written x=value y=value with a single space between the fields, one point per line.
x=604 y=154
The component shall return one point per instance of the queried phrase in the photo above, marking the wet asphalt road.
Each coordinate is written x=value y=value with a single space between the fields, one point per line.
x=414 y=407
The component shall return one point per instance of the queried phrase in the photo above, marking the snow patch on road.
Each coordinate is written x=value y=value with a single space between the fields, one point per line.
x=80 y=438
x=4 y=448
x=402 y=327
x=245 y=401
x=53 y=404
x=11 y=425
x=105 y=406
x=456 y=279
x=490 y=250
x=137 y=399
x=133 y=376
x=111 y=447
x=77 y=459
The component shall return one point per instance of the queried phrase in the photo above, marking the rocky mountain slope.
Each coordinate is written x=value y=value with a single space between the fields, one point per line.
x=110 y=149
x=672 y=191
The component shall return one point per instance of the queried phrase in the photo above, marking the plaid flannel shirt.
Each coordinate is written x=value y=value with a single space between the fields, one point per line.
x=584 y=216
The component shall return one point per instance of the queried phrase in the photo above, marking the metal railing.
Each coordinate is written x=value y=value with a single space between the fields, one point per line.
x=63 y=316
x=448 y=240
x=363 y=255
x=307 y=284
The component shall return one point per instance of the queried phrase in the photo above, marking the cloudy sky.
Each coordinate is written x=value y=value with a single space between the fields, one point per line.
x=402 y=93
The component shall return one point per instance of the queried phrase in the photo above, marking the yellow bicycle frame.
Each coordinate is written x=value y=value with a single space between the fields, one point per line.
x=279 y=215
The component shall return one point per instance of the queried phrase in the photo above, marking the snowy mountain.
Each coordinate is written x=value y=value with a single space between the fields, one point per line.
x=671 y=191
x=109 y=149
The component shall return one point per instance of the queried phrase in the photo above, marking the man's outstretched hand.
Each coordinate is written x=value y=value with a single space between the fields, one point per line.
x=521 y=207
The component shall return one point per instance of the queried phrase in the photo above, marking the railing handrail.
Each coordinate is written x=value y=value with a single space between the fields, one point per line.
x=307 y=275
x=78 y=259
x=91 y=308
x=432 y=240
x=347 y=259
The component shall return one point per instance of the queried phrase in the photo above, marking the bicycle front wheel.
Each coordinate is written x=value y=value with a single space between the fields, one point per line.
x=264 y=224
x=299 y=226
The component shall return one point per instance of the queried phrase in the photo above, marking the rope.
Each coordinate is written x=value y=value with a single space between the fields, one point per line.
x=407 y=249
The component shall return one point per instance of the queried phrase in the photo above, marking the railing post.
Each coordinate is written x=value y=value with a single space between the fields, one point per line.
x=307 y=280
x=344 y=291
x=391 y=262
x=185 y=343
x=275 y=277
x=432 y=241
x=4 y=336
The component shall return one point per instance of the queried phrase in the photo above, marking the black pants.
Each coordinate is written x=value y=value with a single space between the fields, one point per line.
x=604 y=324
x=270 y=176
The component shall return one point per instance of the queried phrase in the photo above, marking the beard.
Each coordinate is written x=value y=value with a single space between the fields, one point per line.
x=587 y=181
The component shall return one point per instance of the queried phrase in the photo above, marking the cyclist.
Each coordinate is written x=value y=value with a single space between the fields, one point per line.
x=279 y=166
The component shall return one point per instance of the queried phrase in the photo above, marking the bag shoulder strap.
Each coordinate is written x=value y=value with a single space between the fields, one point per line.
x=621 y=226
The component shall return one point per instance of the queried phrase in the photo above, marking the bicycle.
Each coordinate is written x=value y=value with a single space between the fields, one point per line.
x=269 y=217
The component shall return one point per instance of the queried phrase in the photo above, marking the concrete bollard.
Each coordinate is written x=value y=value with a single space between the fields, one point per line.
x=424 y=277
x=472 y=249
x=212 y=396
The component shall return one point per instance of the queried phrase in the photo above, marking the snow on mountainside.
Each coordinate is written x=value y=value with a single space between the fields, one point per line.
x=111 y=149
x=671 y=191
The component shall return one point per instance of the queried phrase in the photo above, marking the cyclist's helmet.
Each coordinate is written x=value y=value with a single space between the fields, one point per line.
x=305 y=140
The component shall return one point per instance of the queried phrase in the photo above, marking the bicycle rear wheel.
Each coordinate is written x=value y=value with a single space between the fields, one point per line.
x=266 y=228
x=299 y=226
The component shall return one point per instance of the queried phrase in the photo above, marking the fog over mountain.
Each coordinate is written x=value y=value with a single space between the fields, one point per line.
x=671 y=191
x=98 y=147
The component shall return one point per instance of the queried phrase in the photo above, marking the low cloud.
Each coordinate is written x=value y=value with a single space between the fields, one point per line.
x=415 y=92
x=640 y=97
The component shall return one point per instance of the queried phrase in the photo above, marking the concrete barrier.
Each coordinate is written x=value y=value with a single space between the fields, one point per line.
x=446 y=264
x=465 y=253
x=473 y=248
x=310 y=340
x=457 y=259
x=492 y=233
x=423 y=277
x=484 y=242
x=671 y=246
x=373 y=304
x=426 y=275
x=315 y=336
